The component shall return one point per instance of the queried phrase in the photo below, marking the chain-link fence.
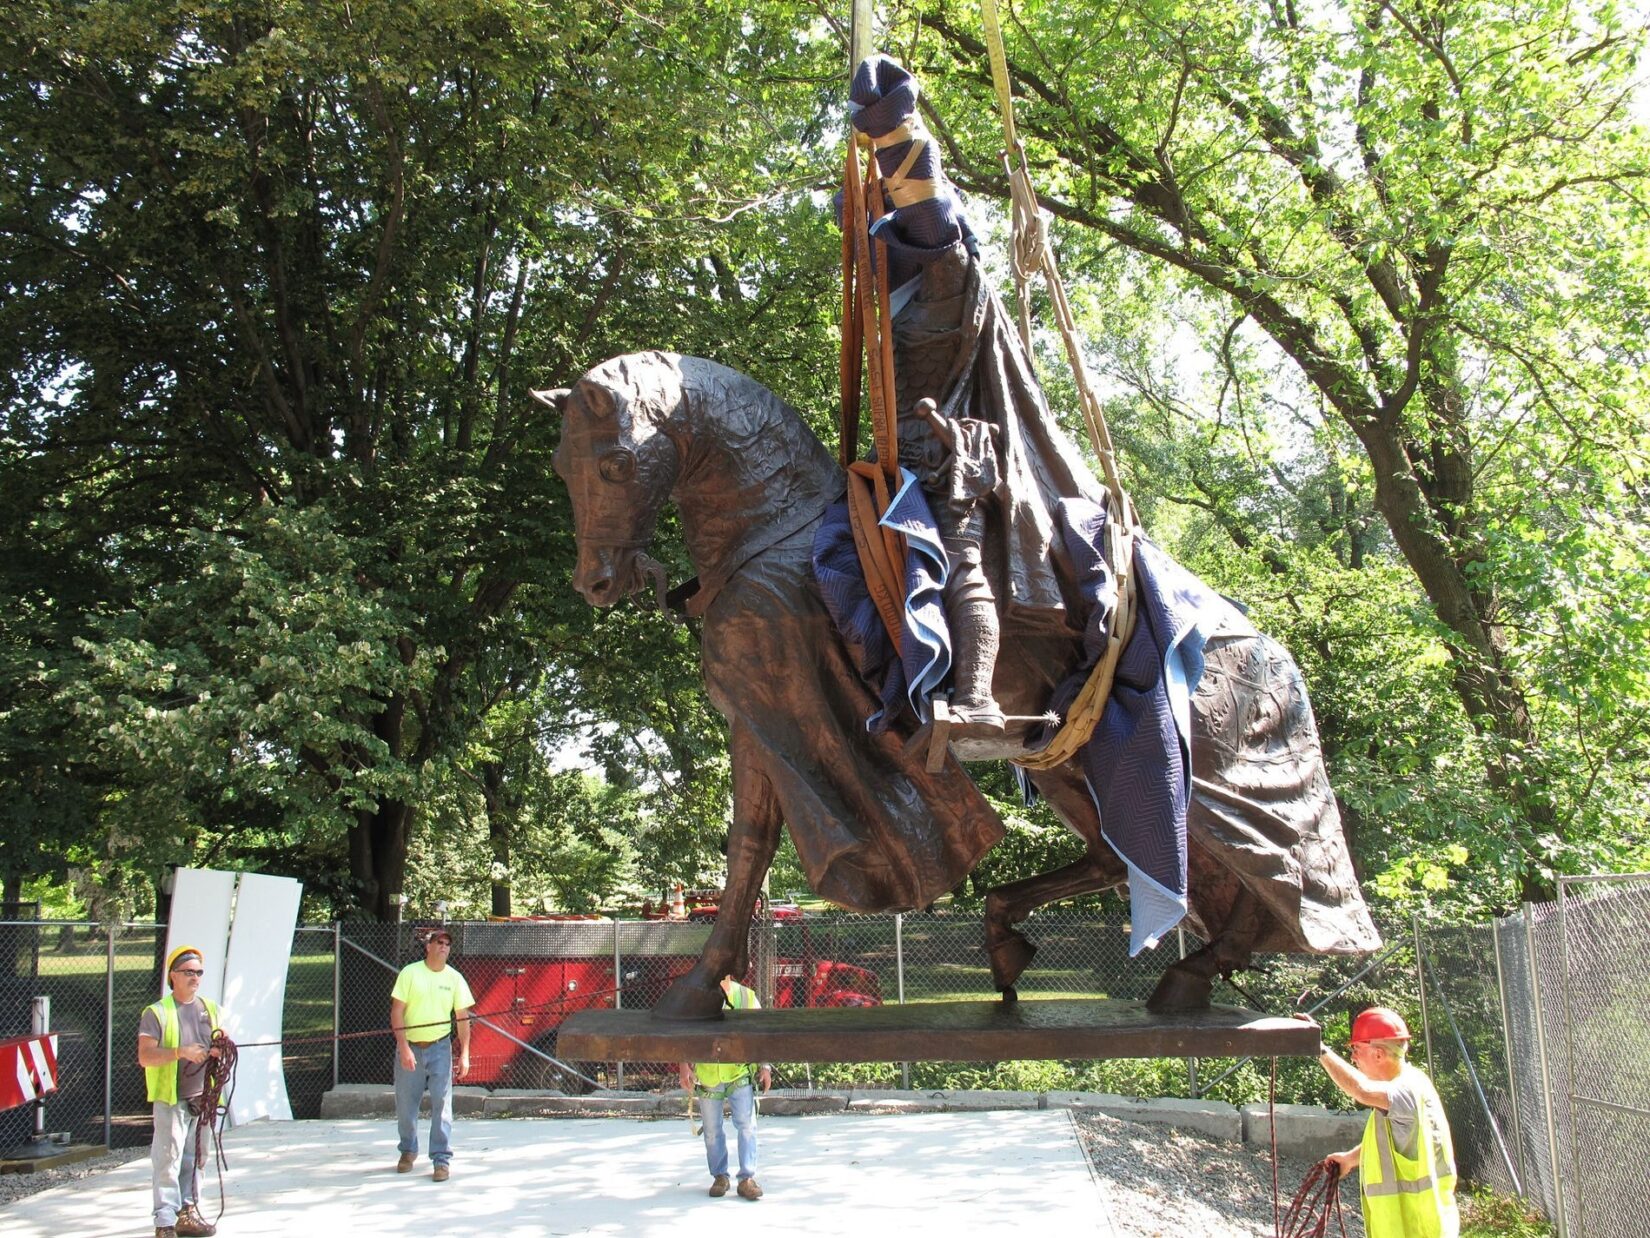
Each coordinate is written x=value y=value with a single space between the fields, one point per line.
x=1536 y=1027
x=1538 y=1031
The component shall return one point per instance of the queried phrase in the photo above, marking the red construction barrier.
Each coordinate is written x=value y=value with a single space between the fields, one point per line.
x=28 y=1069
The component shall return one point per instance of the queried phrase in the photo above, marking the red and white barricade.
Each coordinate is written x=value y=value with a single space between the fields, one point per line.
x=28 y=1069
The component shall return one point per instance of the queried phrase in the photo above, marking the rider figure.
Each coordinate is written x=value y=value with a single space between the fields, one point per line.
x=930 y=249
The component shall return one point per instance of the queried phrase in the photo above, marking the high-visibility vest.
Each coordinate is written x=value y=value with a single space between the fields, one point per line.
x=719 y=1078
x=1406 y=1197
x=163 y=1080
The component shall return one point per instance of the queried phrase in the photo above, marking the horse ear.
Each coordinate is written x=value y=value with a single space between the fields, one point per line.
x=555 y=398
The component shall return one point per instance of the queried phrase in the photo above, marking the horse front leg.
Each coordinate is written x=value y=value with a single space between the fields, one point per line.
x=752 y=840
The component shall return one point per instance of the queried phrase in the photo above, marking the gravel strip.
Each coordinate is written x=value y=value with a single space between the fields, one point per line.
x=1157 y=1181
x=18 y=1186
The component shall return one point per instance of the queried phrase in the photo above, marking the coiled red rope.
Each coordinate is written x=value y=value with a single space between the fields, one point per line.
x=217 y=1089
x=1308 y=1215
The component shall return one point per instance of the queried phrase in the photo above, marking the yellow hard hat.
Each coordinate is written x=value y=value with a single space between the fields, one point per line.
x=178 y=953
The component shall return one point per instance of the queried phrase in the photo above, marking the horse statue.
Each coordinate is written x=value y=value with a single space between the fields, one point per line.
x=875 y=827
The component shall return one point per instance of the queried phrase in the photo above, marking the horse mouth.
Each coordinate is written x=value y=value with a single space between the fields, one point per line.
x=631 y=573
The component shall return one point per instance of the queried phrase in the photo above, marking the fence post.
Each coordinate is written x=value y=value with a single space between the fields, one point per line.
x=1570 y=1059
x=337 y=994
x=618 y=990
x=899 y=973
x=1421 y=985
x=1191 y=1062
x=1560 y=1219
x=109 y=1040
x=1507 y=1049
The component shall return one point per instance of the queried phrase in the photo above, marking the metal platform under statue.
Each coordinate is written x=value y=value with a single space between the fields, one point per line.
x=974 y=1031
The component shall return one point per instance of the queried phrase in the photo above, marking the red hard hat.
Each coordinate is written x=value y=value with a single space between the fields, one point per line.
x=1379 y=1023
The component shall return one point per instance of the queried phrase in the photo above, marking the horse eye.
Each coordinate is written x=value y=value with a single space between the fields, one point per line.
x=618 y=465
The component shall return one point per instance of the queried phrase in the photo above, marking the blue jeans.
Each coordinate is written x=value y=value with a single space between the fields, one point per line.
x=742 y=1104
x=433 y=1069
x=172 y=1161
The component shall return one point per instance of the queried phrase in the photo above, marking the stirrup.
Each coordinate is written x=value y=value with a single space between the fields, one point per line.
x=994 y=742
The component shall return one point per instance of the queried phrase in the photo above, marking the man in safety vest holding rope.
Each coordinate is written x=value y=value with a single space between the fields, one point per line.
x=713 y=1082
x=174 y=1042
x=1406 y=1162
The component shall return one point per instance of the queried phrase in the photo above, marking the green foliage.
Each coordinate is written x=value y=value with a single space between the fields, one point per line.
x=1485 y=1214
x=287 y=570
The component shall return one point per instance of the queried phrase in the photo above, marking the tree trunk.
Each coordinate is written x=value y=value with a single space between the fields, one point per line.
x=498 y=834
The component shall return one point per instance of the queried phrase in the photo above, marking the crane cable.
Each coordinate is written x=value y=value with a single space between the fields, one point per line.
x=1031 y=253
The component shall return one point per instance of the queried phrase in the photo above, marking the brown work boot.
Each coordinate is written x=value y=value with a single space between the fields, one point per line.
x=405 y=1164
x=440 y=1173
x=748 y=1189
x=191 y=1224
x=719 y=1187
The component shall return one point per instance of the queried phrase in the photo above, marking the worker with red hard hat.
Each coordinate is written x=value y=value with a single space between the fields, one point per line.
x=1406 y=1162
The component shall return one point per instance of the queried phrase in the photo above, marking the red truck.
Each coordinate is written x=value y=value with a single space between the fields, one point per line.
x=529 y=974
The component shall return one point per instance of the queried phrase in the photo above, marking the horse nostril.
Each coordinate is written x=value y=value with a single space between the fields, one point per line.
x=598 y=590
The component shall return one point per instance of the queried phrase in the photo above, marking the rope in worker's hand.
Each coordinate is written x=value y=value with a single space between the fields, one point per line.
x=537 y=1008
x=1308 y=1215
x=217 y=1089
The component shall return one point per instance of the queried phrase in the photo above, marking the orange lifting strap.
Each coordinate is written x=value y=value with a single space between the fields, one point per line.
x=867 y=332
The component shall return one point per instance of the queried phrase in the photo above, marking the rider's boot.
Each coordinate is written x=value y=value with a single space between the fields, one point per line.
x=974 y=638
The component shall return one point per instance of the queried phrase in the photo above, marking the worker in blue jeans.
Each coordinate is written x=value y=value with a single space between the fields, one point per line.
x=428 y=997
x=714 y=1082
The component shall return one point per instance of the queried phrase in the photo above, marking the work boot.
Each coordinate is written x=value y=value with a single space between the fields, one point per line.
x=405 y=1164
x=748 y=1189
x=719 y=1187
x=439 y=1174
x=191 y=1224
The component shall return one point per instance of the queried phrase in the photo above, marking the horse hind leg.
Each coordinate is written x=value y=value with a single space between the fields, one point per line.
x=1189 y=984
x=1011 y=951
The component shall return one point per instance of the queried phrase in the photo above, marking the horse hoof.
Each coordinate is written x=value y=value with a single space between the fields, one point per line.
x=1010 y=995
x=1010 y=956
x=1180 y=991
x=690 y=1001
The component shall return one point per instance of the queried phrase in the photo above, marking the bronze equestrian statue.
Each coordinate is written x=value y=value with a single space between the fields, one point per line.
x=1205 y=766
x=1267 y=864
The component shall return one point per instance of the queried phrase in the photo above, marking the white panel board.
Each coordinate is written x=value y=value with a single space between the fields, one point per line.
x=260 y=949
x=201 y=903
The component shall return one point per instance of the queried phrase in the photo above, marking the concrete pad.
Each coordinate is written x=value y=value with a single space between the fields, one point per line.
x=595 y=1105
x=50 y=1156
x=873 y=1100
x=371 y=1100
x=1304 y=1130
x=1215 y=1119
x=796 y=1102
x=928 y=1174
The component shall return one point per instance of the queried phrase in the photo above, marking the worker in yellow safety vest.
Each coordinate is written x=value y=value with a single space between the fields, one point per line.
x=711 y=1083
x=1406 y=1162
x=175 y=1038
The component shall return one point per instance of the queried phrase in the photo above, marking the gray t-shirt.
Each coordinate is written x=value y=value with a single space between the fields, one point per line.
x=194 y=1028
x=1410 y=1091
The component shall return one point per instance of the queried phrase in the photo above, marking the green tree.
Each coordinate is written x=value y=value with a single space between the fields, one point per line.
x=279 y=277
x=1433 y=214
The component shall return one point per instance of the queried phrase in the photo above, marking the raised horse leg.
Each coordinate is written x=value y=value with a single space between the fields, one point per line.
x=1011 y=951
x=1187 y=985
x=752 y=840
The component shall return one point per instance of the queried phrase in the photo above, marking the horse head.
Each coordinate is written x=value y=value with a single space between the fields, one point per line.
x=619 y=465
